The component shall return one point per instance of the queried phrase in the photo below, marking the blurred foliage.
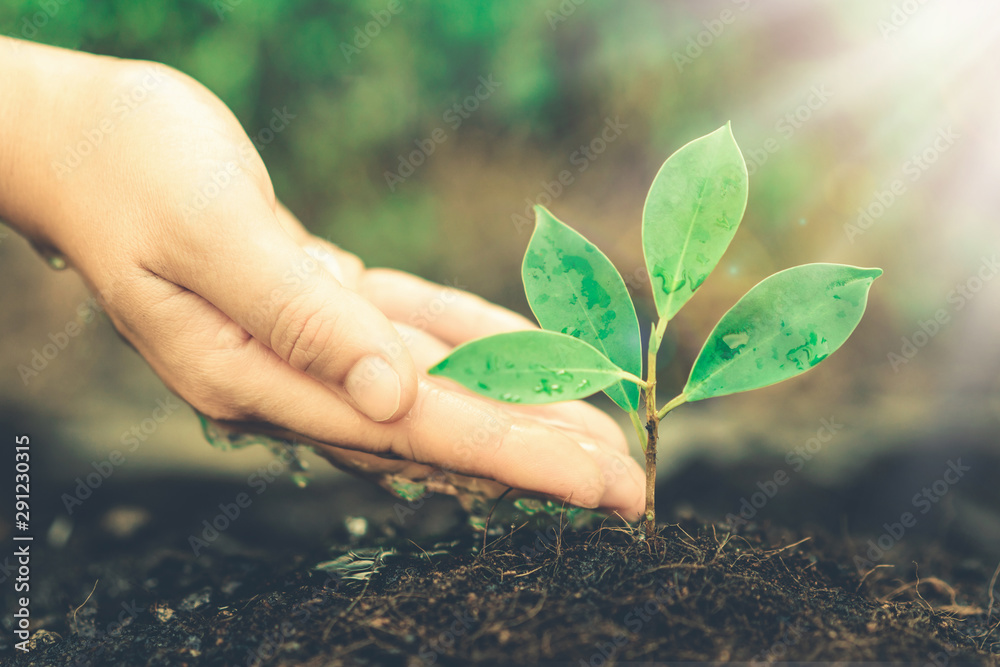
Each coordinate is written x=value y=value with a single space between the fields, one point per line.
x=360 y=105
x=357 y=112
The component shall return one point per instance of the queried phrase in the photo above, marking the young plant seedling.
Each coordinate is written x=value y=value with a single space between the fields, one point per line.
x=589 y=340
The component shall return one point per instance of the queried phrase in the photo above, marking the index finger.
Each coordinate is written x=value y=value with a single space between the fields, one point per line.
x=452 y=315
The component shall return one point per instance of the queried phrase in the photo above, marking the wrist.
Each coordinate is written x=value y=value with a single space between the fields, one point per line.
x=43 y=110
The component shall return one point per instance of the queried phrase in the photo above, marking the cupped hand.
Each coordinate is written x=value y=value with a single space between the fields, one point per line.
x=172 y=219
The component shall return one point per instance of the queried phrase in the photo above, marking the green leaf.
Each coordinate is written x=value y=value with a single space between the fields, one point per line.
x=692 y=211
x=783 y=326
x=530 y=367
x=573 y=288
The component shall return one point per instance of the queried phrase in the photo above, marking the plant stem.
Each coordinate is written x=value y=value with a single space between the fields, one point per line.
x=661 y=328
x=652 y=430
x=649 y=528
x=677 y=400
x=631 y=378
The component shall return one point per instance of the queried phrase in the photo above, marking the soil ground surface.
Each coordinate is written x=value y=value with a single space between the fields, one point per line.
x=119 y=583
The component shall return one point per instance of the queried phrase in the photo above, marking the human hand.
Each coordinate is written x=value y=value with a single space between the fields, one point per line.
x=432 y=319
x=172 y=219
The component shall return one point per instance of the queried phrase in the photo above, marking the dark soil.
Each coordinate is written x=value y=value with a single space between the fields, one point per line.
x=419 y=589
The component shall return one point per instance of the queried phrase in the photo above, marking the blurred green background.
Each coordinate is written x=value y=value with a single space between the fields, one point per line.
x=831 y=102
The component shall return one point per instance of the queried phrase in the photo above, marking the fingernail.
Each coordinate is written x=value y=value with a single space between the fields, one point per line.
x=623 y=479
x=590 y=495
x=374 y=387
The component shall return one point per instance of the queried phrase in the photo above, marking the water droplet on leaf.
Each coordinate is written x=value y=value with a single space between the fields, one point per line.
x=736 y=339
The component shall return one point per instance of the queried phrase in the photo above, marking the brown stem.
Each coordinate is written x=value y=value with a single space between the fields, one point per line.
x=652 y=432
x=652 y=429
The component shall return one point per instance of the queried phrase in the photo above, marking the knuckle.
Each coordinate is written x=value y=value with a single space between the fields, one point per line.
x=589 y=493
x=352 y=264
x=302 y=331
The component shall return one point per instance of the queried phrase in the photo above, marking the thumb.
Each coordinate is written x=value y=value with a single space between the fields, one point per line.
x=286 y=298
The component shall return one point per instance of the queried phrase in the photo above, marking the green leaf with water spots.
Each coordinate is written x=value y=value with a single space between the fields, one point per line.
x=692 y=211
x=783 y=326
x=573 y=288
x=530 y=367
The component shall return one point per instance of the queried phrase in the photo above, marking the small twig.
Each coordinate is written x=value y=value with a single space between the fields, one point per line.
x=988 y=633
x=85 y=601
x=531 y=612
x=426 y=555
x=692 y=545
x=559 y=535
x=916 y=589
x=249 y=601
x=627 y=528
x=627 y=524
x=933 y=582
x=770 y=554
x=722 y=546
x=507 y=536
x=353 y=604
x=486 y=528
x=745 y=541
x=862 y=582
